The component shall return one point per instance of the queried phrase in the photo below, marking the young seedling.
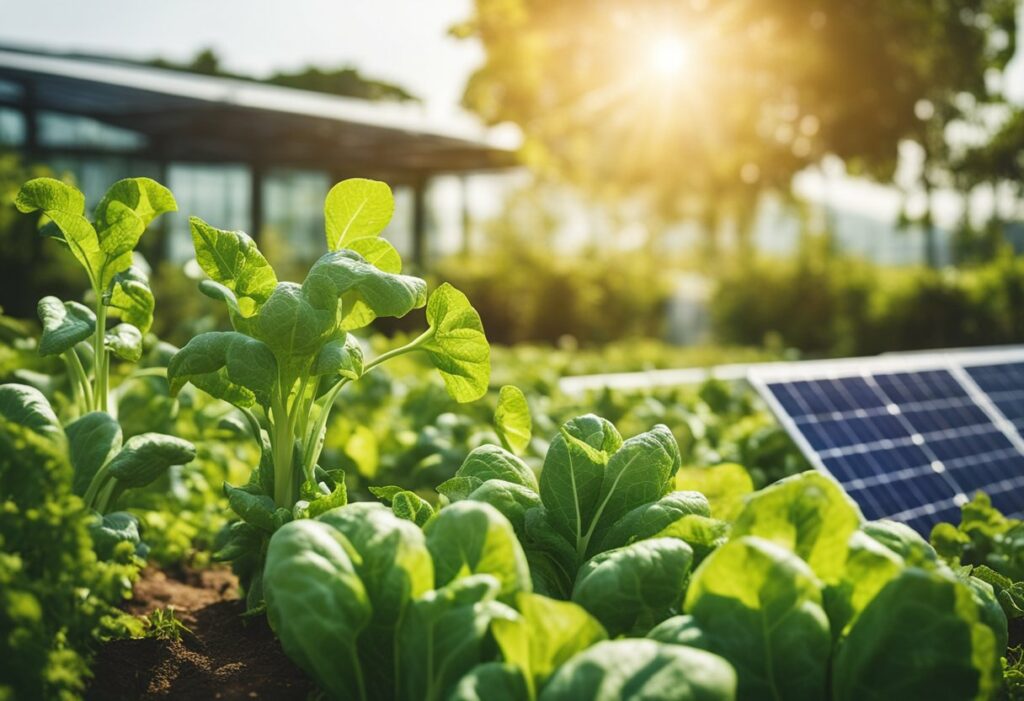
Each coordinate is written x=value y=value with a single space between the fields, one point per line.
x=79 y=334
x=290 y=352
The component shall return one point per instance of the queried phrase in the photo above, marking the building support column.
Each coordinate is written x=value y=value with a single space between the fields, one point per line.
x=467 y=217
x=419 y=222
x=256 y=174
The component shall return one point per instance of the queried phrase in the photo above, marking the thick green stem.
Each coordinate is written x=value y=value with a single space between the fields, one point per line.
x=281 y=441
x=314 y=441
x=100 y=362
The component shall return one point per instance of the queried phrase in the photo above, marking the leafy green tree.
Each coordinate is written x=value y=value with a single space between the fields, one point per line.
x=698 y=106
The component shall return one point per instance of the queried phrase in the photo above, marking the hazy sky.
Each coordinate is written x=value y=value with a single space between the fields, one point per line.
x=404 y=41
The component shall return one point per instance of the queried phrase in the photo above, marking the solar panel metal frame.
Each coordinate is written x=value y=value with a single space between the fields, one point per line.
x=956 y=362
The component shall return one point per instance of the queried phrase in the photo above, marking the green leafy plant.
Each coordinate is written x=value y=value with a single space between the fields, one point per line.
x=104 y=248
x=291 y=352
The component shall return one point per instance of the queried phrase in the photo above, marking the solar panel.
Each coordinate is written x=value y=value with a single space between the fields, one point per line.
x=909 y=437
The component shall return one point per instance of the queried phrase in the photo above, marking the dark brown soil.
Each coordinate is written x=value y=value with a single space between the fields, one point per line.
x=226 y=656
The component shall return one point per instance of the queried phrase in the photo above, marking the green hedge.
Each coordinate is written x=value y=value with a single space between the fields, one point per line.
x=845 y=307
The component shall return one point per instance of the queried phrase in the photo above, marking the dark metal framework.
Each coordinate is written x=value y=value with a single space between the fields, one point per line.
x=199 y=119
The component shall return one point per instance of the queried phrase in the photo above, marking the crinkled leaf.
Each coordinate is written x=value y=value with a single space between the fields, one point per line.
x=635 y=587
x=255 y=509
x=124 y=341
x=869 y=567
x=904 y=541
x=643 y=669
x=232 y=259
x=145 y=457
x=470 y=537
x=317 y=604
x=64 y=325
x=355 y=313
x=293 y=327
x=92 y=440
x=702 y=533
x=343 y=356
x=458 y=348
x=65 y=206
x=760 y=608
x=132 y=300
x=512 y=419
x=347 y=272
x=355 y=208
x=226 y=364
x=128 y=207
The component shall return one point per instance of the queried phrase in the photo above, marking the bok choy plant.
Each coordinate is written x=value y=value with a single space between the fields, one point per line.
x=291 y=352
x=81 y=336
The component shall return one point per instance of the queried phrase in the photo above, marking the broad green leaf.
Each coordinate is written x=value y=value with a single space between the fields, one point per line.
x=512 y=500
x=544 y=636
x=124 y=341
x=470 y=537
x=491 y=681
x=571 y=480
x=132 y=300
x=343 y=356
x=293 y=327
x=253 y=508
x=325 y=502
x=405 y=504
x=491 y=462
x=869 y=567
x=443 y=636
x=647 y=520
x=458 y=347
x=921 y=637
x=395 y=568
x=512 y=419
x=640 y=472
x=128 y=207
x=385 y=294
x=226 y=364
x=109 y=530
x=92 y=440
x=458 y=488
x=702 y=533
x=633 y=588
x=643 y=669
x=725 y=486
x=808 y=513
x=904 y=541
x=355 y=313
x=760 y=608
x=26 y=406
x=679 y=630
x=65 y=205
x=64 y=325
x=232 y=259
x=145 y=457
x=990 y=612
x=355 y=208
x=553 y=560
x=317 y=604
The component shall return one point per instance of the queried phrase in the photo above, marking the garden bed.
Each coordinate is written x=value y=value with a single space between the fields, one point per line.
x=225 y=655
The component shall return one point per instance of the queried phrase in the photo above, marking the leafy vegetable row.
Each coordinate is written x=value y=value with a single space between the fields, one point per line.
x=794 y=598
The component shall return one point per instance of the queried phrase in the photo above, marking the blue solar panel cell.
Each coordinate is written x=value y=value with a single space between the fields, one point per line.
x=911 y=445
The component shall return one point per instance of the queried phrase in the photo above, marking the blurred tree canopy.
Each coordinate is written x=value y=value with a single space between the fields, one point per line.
x=699 y=105
x=345 y=81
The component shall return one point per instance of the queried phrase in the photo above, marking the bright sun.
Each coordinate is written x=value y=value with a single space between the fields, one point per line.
x=669 y=55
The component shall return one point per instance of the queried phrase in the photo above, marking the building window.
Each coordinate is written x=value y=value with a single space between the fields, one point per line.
x=12 y=127
x=293 y=214
x=65 y=130
x=218 y=194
